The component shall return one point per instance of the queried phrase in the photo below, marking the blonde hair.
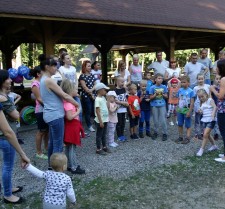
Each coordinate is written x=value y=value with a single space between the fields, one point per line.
x=132 y=86
x=58 y=161
x=135 y=56
x=67 y=86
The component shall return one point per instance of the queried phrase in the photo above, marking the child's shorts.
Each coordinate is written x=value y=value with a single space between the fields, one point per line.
x=210 y=125
x=133 y=121
x=42 y=126
x=172 y=108
x=181 y=119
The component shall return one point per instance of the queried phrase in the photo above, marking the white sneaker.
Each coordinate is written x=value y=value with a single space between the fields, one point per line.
x=115 y=144
x=221 y=160
x=171 y=123
x=112 y=145
x=212 y=148
x=200 y=152
x=91 y=129
x=221 y=155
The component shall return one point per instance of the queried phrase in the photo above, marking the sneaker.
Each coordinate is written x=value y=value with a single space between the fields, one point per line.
x=42 y=156
x=148 y=134
x=91 y=129
x=115 y=144
x=200 y=152
x=100 y=152
x=121 y=138
x=164 y=137
x=221 y=155
x=135 y=136
x=185 y=141
x=154 y=137
x=78 y=171
x=86 y=134
x=112 y=145
x=171 y=123
x=212 y=148
x=106 y=149
x=179 y=140
x=141 y=135
x=221 y=160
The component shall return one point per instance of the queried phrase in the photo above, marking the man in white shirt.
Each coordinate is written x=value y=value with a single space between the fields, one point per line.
x=160 y=65
x=208 y=63
x=193 y=68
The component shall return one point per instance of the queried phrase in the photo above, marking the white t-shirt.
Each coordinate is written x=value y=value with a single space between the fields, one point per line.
x=127 y=73
x=159 y=67
x=208 y=63
x=97 y=74
x=173 y=72
x=192 y=70
x=58 y=186
x=57 y=77
x=69 y=73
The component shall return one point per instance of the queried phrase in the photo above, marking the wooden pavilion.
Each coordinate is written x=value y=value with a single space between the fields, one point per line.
x=159 y=25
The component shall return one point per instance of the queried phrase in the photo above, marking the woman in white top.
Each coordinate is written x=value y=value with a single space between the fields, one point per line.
x=135 y=71
x=123 y=72
x=67 y=70
x=173 y=71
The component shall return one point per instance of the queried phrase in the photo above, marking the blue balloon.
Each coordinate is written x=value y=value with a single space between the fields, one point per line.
x=13 y=73
x=23 y=70
x=27 y=76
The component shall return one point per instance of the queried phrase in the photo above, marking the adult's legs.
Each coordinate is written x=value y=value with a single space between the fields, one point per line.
x=88 y=106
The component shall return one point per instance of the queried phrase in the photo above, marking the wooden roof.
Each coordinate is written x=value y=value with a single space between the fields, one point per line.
x=204 y=15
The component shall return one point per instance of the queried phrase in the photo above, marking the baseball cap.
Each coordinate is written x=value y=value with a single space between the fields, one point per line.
x=112 y=93
x=174 y=80
x=100 y=86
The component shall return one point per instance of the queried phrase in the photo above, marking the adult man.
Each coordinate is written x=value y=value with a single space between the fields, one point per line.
x=221 y=57
x=207 y=62
x=193 y=68
x=159 y=65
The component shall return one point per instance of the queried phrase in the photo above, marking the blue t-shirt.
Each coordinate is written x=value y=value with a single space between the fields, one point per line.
x=158 y=101
x=145 y=105
x=184 y=96
x=149 y=84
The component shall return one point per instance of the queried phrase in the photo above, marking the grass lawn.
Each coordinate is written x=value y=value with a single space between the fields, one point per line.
x=195 y=183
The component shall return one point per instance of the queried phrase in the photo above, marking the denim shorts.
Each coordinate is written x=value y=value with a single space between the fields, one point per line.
x=42 y=126
x=181 y=119
x=133 y=121
x=208 y=124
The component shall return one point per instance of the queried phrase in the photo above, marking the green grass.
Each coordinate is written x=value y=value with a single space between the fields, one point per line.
x=195 y=183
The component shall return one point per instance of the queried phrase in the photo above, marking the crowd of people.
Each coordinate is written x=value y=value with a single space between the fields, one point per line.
x=169 y=96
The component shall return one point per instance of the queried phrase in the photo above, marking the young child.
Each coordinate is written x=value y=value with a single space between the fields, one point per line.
x=158 y=94
x=185 y=106
x=148 y=77
x=58 y=184
x=173 y=87
x=134 y=110
x=144 y=96
x=122 y=110
x=208 y=111
x=201 y=85
x=73 y=128
x=101 y=118
x=217 y=87
x=112 y=107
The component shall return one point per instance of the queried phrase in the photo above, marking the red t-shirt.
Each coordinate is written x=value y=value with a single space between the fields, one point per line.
x=134 y=103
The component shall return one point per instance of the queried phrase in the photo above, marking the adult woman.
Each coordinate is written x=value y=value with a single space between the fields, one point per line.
x=172 y=71
x=53 y=112
x=42 y=132
x=123 y=72
x=9 y=146
x=87 y=82
x=135 y=71
x=221 y=104
x=96 y=71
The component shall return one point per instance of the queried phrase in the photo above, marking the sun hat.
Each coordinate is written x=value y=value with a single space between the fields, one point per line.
x=100 y=86
x=112 y=93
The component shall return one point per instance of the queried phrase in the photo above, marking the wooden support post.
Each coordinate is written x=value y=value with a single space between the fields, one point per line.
x=172 y=45
x=7 y=59
x=49 y=42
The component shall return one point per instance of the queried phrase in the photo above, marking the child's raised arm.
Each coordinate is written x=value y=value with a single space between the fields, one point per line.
x=36 y=172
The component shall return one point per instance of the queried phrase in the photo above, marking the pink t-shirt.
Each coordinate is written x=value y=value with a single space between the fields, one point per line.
x=68 y=106
x=113 y=114
x=38 y=107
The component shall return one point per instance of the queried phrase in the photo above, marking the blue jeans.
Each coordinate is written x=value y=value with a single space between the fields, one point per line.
x=77 y=99
x=88 y=106
x=145 y=117
x=56 y=134
x=7 y=167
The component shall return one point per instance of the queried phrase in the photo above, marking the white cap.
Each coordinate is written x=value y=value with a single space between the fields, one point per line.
x=112 y=93
x=100 y=86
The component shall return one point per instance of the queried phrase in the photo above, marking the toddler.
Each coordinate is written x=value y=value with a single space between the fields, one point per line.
x=58 y=184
